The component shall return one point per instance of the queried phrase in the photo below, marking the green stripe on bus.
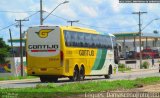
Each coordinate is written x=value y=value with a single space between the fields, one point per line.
x=97 y=60
x=100 y=59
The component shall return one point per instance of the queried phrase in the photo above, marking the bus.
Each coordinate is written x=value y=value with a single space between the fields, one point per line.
x=54 y=52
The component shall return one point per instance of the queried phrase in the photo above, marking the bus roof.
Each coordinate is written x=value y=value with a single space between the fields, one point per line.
x=76 y=28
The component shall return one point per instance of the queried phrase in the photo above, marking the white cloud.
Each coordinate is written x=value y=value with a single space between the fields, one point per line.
x=89 y=11
x=17 y=16
x=115 y=5
x=136 y=7
x=64 y=10
x=98 y=1
x=68 y=12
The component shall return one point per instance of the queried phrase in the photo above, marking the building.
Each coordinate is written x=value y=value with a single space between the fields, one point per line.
x=130 y=41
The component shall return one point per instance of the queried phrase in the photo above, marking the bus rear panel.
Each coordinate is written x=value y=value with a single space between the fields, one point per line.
x=44 y=51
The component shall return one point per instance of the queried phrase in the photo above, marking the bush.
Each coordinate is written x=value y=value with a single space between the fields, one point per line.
x=4 y=51
x=121 y=65
x=145 y=65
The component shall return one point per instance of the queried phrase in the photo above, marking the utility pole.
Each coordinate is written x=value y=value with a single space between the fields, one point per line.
x=21 y=48
x=10 y=33
x=140 y=33
x=73 y=21
x=41 y=13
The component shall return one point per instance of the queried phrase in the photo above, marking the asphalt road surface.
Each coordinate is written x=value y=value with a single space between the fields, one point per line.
x=118 y=76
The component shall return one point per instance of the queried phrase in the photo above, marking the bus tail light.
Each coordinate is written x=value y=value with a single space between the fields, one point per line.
x=61 y=57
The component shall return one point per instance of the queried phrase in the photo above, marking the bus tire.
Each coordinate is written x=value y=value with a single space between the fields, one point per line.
x=75 y=76
x=53 y=79
x=82 y=73
x=108 y=76
x=43 y=79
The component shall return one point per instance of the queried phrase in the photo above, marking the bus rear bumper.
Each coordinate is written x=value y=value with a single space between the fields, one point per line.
x=45 y=71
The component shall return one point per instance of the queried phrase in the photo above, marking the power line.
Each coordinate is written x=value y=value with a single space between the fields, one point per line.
x=104 y=26
x=17 y=11
x=17 y=22
x=31 y=15
x=8 y=26
x=60 y=17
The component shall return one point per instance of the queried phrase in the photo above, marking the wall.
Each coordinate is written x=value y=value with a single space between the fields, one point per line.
x=12 y=67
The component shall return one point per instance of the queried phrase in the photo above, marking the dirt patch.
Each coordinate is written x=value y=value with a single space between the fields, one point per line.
x=148 y=88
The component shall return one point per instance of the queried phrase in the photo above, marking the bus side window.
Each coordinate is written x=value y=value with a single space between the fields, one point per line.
x=67 y=38
x=74 y=39
x=100 y=41
x=108 y=43
x=96 y=41
x=103 y=41
x=87 y=39
x=80 y=39
x=92 y=41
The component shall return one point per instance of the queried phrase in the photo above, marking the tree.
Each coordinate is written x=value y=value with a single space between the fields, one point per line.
x=4 y=51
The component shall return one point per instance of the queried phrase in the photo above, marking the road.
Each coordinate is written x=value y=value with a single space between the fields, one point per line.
x=118 y=76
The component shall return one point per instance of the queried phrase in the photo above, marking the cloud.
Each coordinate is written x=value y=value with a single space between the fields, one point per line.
x=90 y=11
x=99 y=1
x=17 y=16
x=68 y=11
x=115 y=5
x=108 y=14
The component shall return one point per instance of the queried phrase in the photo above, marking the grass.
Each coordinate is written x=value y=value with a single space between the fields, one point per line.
x=16 y=78
x=124 y=69
x=52 y=89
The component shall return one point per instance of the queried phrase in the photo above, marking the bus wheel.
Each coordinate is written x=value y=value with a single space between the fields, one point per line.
x=75 y=76
x=43 y=79
x=53 y=79
x=82 y=73
x=108 y=76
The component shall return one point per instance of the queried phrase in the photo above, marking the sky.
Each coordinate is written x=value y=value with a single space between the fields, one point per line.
x=108 y=16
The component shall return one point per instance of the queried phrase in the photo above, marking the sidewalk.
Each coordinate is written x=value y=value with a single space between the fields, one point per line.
x=137 y=71
x=19 y=80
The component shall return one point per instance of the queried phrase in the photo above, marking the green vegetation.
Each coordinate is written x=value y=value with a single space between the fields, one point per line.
x=51 y=89
x=4 y=51
x=145 y=65
x=123 y=68
x=16 y=78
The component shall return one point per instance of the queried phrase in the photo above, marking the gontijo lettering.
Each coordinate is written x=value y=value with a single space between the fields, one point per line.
x=86 y=52
x=42 y=46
